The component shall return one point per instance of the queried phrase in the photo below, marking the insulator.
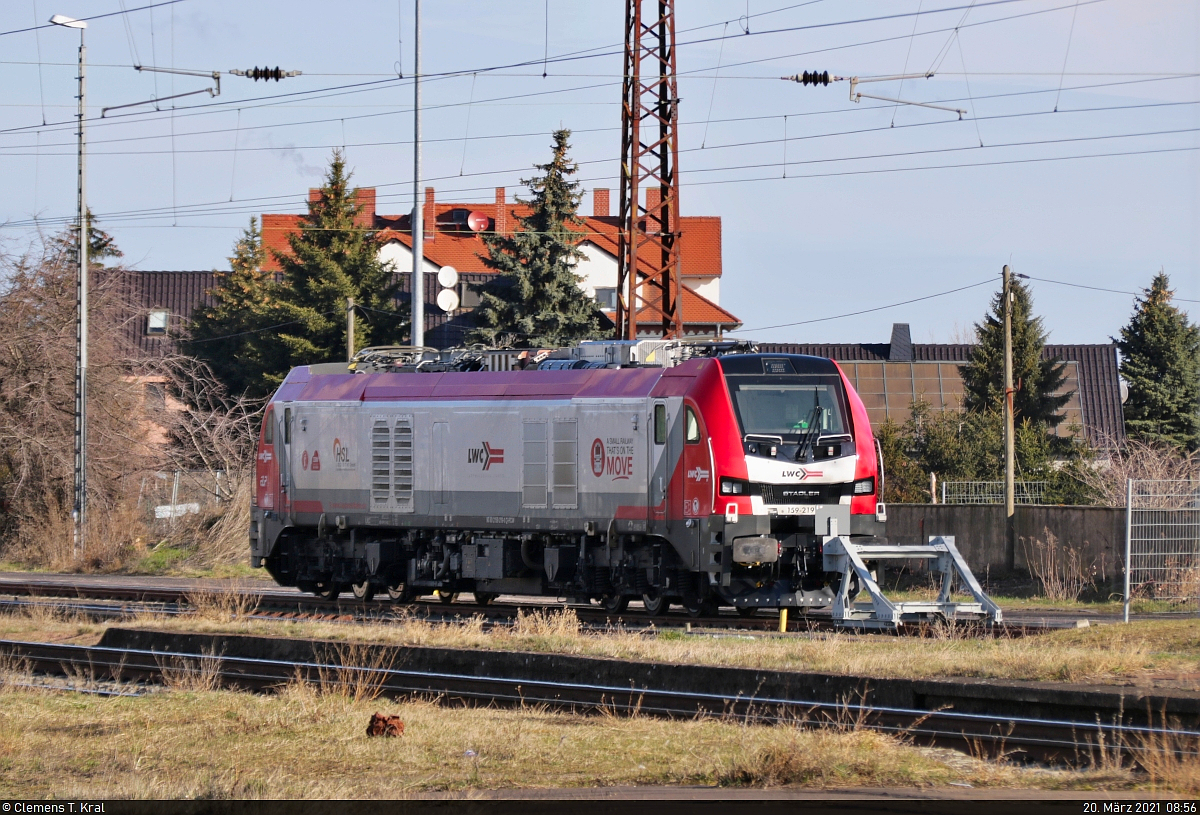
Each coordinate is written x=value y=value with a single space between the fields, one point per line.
x=265 y=74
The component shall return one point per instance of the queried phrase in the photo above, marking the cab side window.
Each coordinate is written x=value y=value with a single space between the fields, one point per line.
x=269 y=428
x=660 y=424
x=692 y=427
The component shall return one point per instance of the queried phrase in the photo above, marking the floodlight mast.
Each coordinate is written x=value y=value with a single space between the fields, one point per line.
x=79 y=507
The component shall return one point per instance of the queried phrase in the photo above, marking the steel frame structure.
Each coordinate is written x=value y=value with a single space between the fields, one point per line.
x=649 y=233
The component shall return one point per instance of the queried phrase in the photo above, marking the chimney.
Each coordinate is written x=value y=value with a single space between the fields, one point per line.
x=600 y=202
x=901 y=349
x=365 y=198
x=653 y=214
x=430 y=216
x=654 y=211
x=501 y=212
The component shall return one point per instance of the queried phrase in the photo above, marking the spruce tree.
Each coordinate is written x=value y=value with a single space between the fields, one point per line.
x=101 y=245
x=226 y=335
x=1160 y=362
x=331 y=259
x=1036 y=379
x=535 y=301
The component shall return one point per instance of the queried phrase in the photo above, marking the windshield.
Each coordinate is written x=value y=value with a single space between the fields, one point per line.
x=789 y=407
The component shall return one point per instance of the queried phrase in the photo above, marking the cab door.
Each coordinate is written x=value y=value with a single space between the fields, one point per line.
x=659 y=459
x=267 y=466
x=283 y=455
x=697 y=466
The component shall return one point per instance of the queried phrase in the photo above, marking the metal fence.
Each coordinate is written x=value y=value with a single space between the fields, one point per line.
x=1162 y=543
x=167 y=496
x=991 y=492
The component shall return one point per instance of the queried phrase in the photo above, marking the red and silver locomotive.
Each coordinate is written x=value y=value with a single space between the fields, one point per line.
x=708 y=481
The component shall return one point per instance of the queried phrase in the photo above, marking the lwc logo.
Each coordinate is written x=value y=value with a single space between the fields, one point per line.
x=485 y=455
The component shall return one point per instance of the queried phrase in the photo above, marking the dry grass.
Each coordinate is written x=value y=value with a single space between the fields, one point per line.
x=1134 y=652
x=223 y=605
x=355 y=672
x=202 y=673
x=306 y=744
x=1170 y=761
x=1060 y=570
x=1143 y=651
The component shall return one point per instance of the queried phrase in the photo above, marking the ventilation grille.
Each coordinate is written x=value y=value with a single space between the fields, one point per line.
x=392 y=464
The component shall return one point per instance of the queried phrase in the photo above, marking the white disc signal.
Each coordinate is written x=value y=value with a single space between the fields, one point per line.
x=447 y=300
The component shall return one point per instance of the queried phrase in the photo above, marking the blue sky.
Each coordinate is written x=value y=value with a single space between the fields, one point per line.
x=858 y=223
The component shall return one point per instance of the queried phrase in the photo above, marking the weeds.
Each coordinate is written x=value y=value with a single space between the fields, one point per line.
x=223 y=605
x=354 y=671
x=1170 y=758
x=199 y=674
x=1060 y=570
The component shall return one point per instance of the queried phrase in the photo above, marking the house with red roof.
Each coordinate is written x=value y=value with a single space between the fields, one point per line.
x=453 y=238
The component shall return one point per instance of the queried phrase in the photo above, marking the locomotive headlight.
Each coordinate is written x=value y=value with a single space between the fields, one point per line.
x=864 y=486
x=734 y=486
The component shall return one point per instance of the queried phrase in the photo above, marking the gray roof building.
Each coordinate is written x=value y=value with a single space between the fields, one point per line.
x=890 y=376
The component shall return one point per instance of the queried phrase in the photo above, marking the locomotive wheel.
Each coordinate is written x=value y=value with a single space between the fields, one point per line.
x=747 y=611
x=656 y=605
x=447 y=597
x=483 y=598
x=364 y=591
x=329 y=591
x=614 y=603
x=400 y=593
x=701 y=608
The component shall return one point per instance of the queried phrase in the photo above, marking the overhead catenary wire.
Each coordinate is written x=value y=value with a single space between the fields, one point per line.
x=1101 y=288
x=912 y=37
x=866 y=310
x=506 y=171
x=206 y=108
x=94 y=17
x=733 y=119
x=1066 y=55
x=123 y=220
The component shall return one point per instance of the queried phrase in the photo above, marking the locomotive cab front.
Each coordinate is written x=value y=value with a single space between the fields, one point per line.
x=802 y=468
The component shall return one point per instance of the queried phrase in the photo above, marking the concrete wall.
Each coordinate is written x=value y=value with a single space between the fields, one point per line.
x=979 y=531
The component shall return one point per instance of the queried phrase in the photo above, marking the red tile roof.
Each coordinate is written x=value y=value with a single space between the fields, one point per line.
x=451 y=246
x=697 y=310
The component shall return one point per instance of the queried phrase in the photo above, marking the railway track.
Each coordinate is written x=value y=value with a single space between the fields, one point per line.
x=1038 y=739
x=177 y=597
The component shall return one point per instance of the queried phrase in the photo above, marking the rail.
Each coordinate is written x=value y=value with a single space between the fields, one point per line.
x=1049 y=739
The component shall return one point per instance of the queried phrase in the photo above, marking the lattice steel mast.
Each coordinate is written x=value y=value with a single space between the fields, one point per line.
x=648 y=270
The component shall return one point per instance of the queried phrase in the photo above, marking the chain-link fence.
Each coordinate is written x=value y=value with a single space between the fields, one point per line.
x=991 y=492
x=167 y=496
x=1162 y=545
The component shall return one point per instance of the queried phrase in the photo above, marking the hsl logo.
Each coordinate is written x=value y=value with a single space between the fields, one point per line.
x=486 y=455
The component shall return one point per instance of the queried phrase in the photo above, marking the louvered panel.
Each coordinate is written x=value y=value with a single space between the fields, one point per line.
x=381 y=463
x=402 y=464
